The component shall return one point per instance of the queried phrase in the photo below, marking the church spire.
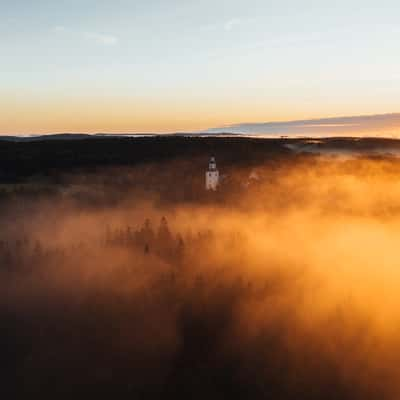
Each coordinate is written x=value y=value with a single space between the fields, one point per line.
x=212 y=175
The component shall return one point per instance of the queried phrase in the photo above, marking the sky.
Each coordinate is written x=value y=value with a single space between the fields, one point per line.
x=185 y=65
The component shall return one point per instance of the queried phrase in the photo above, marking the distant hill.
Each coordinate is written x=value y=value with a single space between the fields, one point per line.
x=78 y=136
x=380 y=125
x=33 y=138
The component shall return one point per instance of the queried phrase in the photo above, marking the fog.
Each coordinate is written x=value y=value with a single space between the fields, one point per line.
x=284 y=284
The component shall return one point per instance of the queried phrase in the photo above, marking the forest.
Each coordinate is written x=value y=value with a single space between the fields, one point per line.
x=120 y=276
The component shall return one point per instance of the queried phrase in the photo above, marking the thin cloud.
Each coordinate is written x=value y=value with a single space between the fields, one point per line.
x=94 y=37
x=100 y=38
x=228 y=25
x=232 y=23
x=60 y=28
x=353 y=125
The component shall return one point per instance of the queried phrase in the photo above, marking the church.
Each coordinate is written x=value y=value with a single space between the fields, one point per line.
x=212 y=175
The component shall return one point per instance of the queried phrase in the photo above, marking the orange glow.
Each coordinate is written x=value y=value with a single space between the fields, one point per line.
x=312 y=249
x=30 y=113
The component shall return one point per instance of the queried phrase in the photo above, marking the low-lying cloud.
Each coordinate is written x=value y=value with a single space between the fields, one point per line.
x=373 y=125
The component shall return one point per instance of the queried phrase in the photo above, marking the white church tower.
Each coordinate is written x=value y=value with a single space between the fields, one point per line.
x=212 y=175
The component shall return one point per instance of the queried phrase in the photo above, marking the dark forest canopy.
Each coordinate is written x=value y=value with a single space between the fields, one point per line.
x=21 y=159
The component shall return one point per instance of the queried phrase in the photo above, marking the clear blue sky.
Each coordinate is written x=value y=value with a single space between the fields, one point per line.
x=160 y=65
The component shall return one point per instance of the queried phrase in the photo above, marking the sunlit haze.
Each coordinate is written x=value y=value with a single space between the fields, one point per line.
x=186 y=65
x=200 y=199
